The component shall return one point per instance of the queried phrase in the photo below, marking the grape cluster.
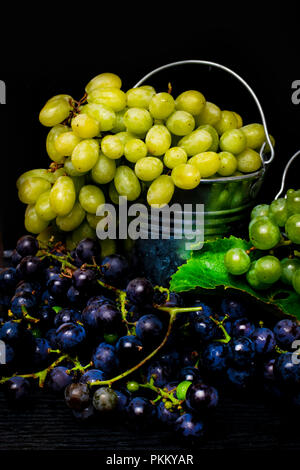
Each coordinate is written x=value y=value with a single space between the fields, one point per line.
x=274 y=231
x=109 y=343
x=140 y=144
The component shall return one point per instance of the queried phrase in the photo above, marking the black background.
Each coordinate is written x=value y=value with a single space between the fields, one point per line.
x=59 y=52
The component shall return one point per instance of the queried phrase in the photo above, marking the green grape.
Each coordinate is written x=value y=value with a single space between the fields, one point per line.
x=186 y=176
x=208 y=163
x=292 y=228
x=233 y=141
x=237 y=199
x=111 y=97
x=32 y=188
x=161 y=191
x=148 y=168
x=237 y=261
x=125 y=136
x=180 y=123
x=289 y=267
x=104 y=116
x=93 y=220
x=104 y=80
x=85 y=155
x=278 y=211
x=112 y=147
x=161 y=105
x=158 y=140
x=63 y=195
x=72 y=220
x=66 y=142
x=50 y=143
x=38 y=173
x=43 y=207
x=268 y=269
x=104 y=170
x=182 y=388
x=227 y=121
x=255 y=135
x=263 y=233
x=214 y=135
x=139 y=97
x=127 y=183
x=84 y=230
x=293 y=202
x=70 y=169
x=85 y=126
x=90 y=198
x=239 y=120
x=248 y=161
x=54 y=112
x=64 y=97
x=119 y=125
x=253 y=280
x=33 y=223
x=210 y=114
x=135 y=149
x=198 y=141
x=138 y=120
x=191 y=101
x=174 y=156
x=261 y=210
x=228 y=164
x=296 y=281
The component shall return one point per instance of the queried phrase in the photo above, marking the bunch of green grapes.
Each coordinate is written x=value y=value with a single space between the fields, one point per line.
x=271 y=226
x=140 y=144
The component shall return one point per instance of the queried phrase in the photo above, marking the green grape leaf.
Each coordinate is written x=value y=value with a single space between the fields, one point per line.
x=205 y=271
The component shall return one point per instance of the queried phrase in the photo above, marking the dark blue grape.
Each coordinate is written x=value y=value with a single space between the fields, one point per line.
x=31 y=287
x=201 y=397
x=122 y=403
x=58 y=288
x=105 y=358
x=92 y=375
x=204 y=311
x=240 y=378
x=30 y=267
x=167 y=415
x=8 y=279
x=17 y=389
x=85 y=279
x=242 y=351
x=286 y=331
x=41 y=351
x=242 y=327
x=48 y=299
x=70 y=337
x=233 y=308
x=130 y=350
x=149 y=329
x=67 y=315
x=98 y=300
x=287 y=369
x=27 y=245
x=204 y=328
x=20 y=302
x=52 y=272
x=190 y=374
x=140 y=411
x=58 y=379
x=189 y=426
x=140 y=291
x=214 y=357
x=46 y=315
x=88 y=251
x=115 y=269
x=264 y=340
x=159 y=373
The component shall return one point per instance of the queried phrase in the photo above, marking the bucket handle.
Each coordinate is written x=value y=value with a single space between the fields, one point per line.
x=284 y=175
x=234 y=74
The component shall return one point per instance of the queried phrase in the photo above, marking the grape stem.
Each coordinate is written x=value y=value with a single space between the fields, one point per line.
x=163 y=393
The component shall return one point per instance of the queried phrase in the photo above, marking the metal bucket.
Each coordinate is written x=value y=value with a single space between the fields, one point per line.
x=227 y=201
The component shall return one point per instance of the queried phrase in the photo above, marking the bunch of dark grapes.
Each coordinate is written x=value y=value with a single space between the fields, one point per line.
x=110 y=343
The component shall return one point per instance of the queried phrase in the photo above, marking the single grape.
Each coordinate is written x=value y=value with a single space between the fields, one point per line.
x=54 y=112
x=182 y=389
x=237 y=261
x=148 y=168
x=214 y=357
x=286 y=332
x=140 y=291
x=292 y=228
x=161 y=191
x=264 y=340
x=255 y=135
x=253 y=279
x=287 y=369
x=140 y=97
x=180 y=123
x=226 y=122
x=105 y=358
x=110 y=96
x=261 y=210
x=233 y=141
x=242 y=351
x=263 y=233
x=198 y=141
x=127 y=183
x=293 y=202
x=88 y=250
x=85 y=155
x=105 y=399
x=77 y=396
x=158 y=140
x=135 y=149
x=115 y=269
x=242 y=327
x=296 y=281
x=186 y=176
x=268 y=269
x=138 y=120
x=201 y=397
x=17 y=389
x=208 y=163
x=140 y=411
x=104 y=80
x=289 y=267
x=210 y=114
x=248 y=161
x=191 y=101
x=63 y=195
x=130 y=350
x=278 y=212
x=27 y=246
x=85 y=126
x=149 y=329
x=70 y=337
x=228 y=164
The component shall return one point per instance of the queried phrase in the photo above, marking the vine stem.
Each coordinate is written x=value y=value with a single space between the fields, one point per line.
x=173 y=312
x=162 y=393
